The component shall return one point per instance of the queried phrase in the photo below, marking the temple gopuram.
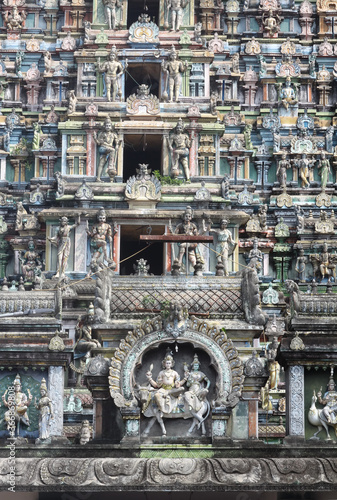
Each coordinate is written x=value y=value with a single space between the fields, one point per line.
x=168 y=249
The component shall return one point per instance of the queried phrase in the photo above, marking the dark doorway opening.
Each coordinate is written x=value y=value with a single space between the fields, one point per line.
x=142 y=73
x=130 y=243
x=138 y=7
x=141 y=148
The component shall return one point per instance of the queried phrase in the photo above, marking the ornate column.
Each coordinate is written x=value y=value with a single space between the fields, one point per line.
x=295 y=401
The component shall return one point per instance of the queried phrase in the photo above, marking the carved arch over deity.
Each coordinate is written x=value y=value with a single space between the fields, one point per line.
x=177 y=331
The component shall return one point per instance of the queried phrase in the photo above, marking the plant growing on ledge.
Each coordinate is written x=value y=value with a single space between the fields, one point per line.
x=166 y=179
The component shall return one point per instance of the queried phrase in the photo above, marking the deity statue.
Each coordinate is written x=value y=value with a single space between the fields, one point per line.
x=85 y=343
x=329 y=400
x=174 y=69
x=274 y=367
x=197 y=383
x=324 y=170
x=235 y=64
x=300 y=266
x=101 y=235
x=69 y=43
x=30 y=262
x=304 y=164
x=255 y=257
x=225 y=244
x=19 y=57
x=15 y=20
x=113 y=70
x=85 y=434
x=25 y=221
x=62 y=241
x=108 y=143
x=37 y=136
x=20 y=402
x=287 y=94
x=168 y=385
x=72 y=102
x=282 y=167
x=177 y=13
x=197 y=33
x=324 y=264
x=179 y=145
x=110 y=7
x=271 y=23
x=45 y=408
x=188 y=227
x=47 y=61
x=281 y=229
x=263 y=66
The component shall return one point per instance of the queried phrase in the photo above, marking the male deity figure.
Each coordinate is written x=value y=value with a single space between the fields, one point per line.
x=177 y=13
x=304 y=164
x=110 y=7
x=179 y=145
x=287 y=94
x=188 y=227
x=174 y=69
x=255 y=257
x=271 y=23
x=15 y=20
x=30 y=262
x=101 y=235
x=225 y=245
x=113 y=70
x=168 y=384
x=20 y=402
x=108 y=143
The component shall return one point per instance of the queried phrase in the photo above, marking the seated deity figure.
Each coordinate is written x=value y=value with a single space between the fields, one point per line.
x=108 y=143
x=282 y=168
x=20 y=402
x=113 y=71
x=179 y=145
x=85 y=343
x=287 y=94
x=271 y=23
x=30 y=262
x=110 y=9
x=15 y=20
x=198 y=385
x=188 y=227
x=330 y=401
x=174 y=70
x=168 y=384
x=225 y=244
x=177 y=12
x=101 y=235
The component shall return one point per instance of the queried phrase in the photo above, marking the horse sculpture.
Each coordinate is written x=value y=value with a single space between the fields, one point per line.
x=150 y=410
x=317 y=418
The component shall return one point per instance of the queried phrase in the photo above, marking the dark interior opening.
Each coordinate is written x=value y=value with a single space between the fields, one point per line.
x=138 y=7
x=130 y=243
x=141 y=148
x=143 y=73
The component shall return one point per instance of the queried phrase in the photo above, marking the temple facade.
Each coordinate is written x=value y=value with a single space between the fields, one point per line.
x=168 y=249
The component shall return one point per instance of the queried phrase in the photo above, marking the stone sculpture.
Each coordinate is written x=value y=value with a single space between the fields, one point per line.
x=179 y=145
x=30 y=262
x=274 y=367
x=225 y=244
x=282 y=167
x=255 y=258
x=323 y=166
x=113 y=71
x=45 y=408
x=62 y=241
x=85 y=343
x=101 y=236
x=110 y=9
x=301 y=265
x=173 y=68
x=20 y=402
x=108 y=143
x=176 y=8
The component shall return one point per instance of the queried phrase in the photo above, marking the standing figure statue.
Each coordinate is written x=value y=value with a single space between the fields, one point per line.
x=108 y=143
x=323 y=170
x=255 y=257
x=188 y=227
x=72 y=102
x=62 y=241
x=168 y=384
x=274 y=367
x=300 y=266
x=110 y=7
x=198 y=385
x=45 y=408
x=20 y=402
x=113 y=70
x=282 y=168
x=177 y=13
x=179 y=145
x=101 y=235
x=225 y=245
x=36 y=136
x=304 y=164
x=174 y=69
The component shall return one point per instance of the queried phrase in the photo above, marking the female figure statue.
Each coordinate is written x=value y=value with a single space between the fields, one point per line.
x=45 y=411
x=324 y=170
x=198 y=385
x=62 y=241
x=300 y=266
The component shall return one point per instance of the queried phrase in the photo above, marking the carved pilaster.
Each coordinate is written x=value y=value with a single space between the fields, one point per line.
x=295 y=401
x=56 y=389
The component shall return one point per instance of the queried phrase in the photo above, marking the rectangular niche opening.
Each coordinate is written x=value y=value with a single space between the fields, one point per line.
x=141 y=148
x=135 y=8
x=142 y=73
x=130 y=243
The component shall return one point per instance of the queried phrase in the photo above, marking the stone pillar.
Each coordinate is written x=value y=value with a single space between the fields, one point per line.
x=219 y=424
x=295 y=402
x=80 y=248
x=56 y=389
x=253 y=429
